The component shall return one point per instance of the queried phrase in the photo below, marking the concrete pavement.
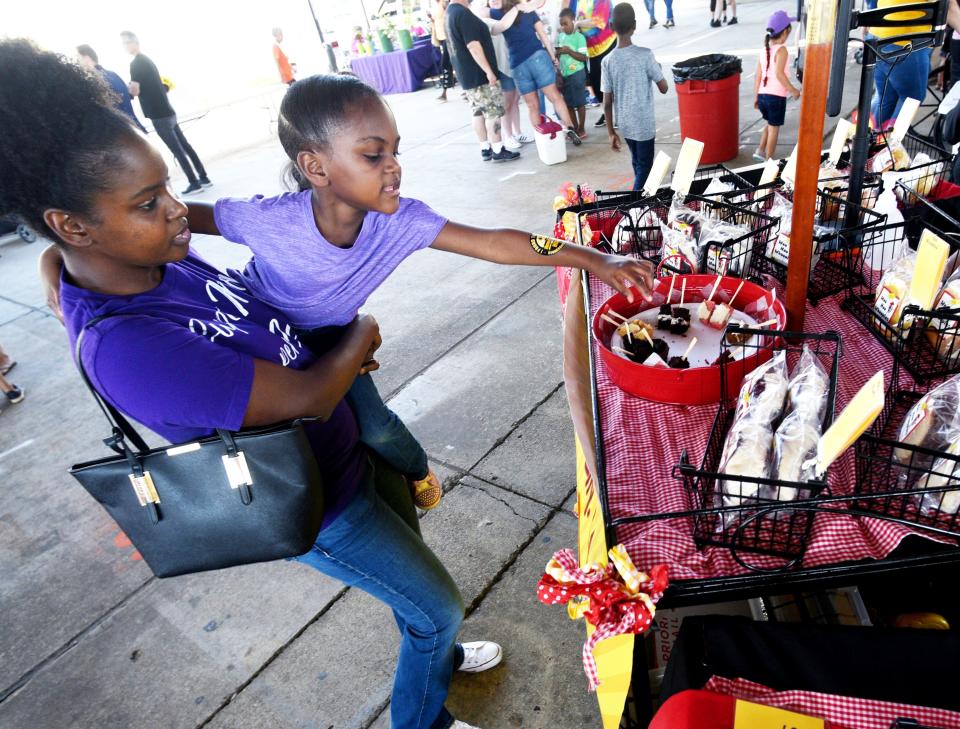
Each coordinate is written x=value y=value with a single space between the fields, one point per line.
x=471 y=360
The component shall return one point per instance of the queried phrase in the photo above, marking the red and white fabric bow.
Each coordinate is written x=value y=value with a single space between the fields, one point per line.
x=616 y=599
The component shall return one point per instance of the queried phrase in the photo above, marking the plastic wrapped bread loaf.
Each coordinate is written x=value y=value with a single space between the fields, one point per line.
x=809 y=387
x=932 y=423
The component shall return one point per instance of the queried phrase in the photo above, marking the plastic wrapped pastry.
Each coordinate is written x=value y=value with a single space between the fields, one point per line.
x=763 y=393
x=726 y=249
x=686 y=220
x=633 y=230
x=893 y=156
x=932 y=423
x=680 y=253
x=795 y=452
x=778 y=249
x=746 y=452
x=945 y=474
x=944 y=334
x=808 y=388
x=894 y=285
x=923 y=176
x=718 y=187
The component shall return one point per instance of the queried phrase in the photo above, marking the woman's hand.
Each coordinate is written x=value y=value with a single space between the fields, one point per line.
x=626 y=275
x=370 y=363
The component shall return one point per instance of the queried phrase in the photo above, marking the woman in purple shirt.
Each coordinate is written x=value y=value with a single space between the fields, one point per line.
x=198 y=351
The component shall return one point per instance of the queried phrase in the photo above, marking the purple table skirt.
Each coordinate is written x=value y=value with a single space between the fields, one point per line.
x=398 y=72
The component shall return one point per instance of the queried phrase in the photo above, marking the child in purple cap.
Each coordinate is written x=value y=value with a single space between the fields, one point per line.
x=772 y=86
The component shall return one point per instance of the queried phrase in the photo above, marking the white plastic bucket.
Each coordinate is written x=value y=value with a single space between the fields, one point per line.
x=552 y=151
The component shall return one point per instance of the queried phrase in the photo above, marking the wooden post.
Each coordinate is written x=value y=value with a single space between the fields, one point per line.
x=816 y=82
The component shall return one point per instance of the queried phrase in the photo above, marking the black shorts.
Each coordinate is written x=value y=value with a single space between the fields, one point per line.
x=575 y=89
x=772 y=108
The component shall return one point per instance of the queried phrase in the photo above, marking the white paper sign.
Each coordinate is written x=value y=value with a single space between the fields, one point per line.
x=904 y=119
x=686 y=166
x=790 y=171
x=661 y=164
x=770 y=170
x=840 y=137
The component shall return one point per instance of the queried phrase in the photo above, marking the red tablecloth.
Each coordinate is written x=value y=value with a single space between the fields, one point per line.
x=643 y=440
x=849 y=711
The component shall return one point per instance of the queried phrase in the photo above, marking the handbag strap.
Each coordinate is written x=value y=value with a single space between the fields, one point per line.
x=120 y=427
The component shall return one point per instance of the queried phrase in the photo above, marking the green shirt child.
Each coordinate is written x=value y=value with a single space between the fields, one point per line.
x=575 y=42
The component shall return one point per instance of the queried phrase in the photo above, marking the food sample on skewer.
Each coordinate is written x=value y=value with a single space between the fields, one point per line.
x=680 y=322
x=681 y=362
x=711 y=313
x=665 y=315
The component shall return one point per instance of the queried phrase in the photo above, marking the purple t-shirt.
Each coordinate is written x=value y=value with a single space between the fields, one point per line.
x=185 y=367
x=312 y=281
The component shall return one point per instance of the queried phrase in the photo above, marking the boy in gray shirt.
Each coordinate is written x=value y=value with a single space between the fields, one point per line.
x=627 y=78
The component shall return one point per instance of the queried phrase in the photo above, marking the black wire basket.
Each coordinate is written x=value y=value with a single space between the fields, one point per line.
x=629 y=224
x=926 y=343
x=918 y=180
x=758 y=515
x=902 y=482
x=836 y=260
x=701 y=181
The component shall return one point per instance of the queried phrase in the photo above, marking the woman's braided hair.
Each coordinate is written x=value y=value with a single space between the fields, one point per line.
x=60 y=135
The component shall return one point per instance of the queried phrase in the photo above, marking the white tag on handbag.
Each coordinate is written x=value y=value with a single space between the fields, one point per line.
x=237 y=472
x=144 y=489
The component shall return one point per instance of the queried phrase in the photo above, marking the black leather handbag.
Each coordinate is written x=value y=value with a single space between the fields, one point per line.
x=229 y=499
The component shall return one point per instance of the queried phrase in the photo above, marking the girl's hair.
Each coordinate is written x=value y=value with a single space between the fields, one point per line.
x=766 y=44
x=311 y=112
x=61 y=136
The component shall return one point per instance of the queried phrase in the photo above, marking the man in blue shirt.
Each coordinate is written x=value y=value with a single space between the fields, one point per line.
x=89 y=60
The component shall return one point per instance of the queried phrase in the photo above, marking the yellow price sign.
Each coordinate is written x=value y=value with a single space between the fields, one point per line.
x=757 y=716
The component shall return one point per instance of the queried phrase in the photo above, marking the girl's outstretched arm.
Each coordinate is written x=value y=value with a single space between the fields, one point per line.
x=200 y=218
x=514 y=246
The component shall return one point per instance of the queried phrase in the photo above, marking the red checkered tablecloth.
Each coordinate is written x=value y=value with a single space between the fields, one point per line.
x=852 y=712
x=643 y=440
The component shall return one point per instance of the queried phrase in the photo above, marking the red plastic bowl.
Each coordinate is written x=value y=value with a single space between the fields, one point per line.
x=694 y=386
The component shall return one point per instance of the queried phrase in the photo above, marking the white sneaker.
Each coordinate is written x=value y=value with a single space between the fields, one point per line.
x=523 y=139
x=511 y=143
x=480 y=655
x=457 y=724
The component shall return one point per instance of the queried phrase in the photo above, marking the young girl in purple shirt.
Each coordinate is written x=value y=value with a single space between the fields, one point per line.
x=319 y=253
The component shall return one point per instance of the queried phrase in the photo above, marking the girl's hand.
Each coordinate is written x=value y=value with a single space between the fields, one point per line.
x=756 y=103
x=626 y=275
x=795 y=93
x=615 y=142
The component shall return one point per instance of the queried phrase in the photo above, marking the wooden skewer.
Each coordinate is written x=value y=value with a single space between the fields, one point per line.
x=610 y=320
x=767 y=323
x=693 y=344
x=672 y=282
x=621 y=350
x=683 y=291
x=736 y=292
x=618 y=315
x=644 y=332
x=715 y=287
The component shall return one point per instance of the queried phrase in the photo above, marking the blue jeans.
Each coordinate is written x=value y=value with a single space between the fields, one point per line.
x=375 y=545
x=641 y=155
x=904 y=78
x=380 y=428
x=651 y=8
x=536 y=72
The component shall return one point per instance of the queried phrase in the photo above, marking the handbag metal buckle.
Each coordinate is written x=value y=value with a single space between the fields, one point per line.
x=237 y=472
x=144 y=489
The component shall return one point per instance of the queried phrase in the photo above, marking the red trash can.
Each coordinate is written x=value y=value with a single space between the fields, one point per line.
x=710 y=107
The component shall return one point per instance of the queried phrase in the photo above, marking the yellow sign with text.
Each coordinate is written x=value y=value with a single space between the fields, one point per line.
x=757 y=716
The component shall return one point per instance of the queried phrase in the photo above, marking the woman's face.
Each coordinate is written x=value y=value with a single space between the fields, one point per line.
x=139 y=221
